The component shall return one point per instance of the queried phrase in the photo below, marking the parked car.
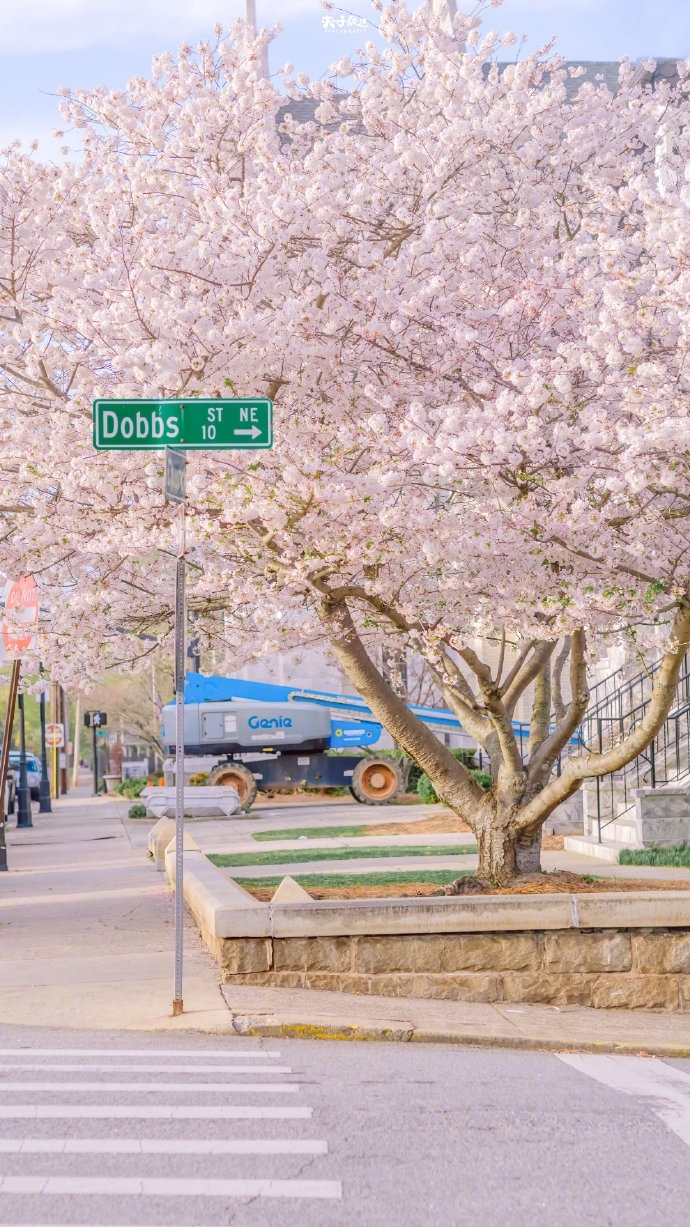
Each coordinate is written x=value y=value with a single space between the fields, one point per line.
x=33 y=772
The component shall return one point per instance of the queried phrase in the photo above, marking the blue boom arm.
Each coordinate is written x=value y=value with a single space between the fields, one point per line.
x=352 y=724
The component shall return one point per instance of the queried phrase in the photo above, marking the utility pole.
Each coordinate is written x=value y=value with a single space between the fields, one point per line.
x=5 y=757
x=44 y=805
x=250 y=18
x=75 y=744
x=54 y=719
x=64 y=721
x=23 y=795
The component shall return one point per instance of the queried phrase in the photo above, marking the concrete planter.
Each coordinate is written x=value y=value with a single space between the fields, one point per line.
x=617 y=950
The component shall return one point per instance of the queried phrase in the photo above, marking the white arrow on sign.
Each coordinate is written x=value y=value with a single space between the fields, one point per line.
x=253 y=432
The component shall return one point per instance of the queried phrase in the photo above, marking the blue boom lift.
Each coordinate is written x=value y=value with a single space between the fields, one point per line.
x=258 y=735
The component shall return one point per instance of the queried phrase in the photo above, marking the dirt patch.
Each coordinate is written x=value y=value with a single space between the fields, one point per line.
x=446 y=823
x=559 y=883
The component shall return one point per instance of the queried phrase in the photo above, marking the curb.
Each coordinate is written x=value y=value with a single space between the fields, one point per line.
x=269 y=1027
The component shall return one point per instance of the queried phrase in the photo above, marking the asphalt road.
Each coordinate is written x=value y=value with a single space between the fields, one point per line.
x=139 y=1128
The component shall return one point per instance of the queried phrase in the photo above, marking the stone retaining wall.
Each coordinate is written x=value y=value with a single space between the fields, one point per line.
x=629 y=969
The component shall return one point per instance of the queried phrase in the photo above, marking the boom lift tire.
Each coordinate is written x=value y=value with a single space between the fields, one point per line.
x=239 y=776
x=376 y=781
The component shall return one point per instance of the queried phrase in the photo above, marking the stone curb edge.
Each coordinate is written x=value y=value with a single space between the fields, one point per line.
x=269 y=1027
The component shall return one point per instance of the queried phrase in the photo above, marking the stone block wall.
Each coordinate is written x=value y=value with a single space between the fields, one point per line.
x=608 y=968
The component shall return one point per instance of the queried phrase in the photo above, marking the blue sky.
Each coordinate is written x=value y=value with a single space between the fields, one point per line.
x=48 y=43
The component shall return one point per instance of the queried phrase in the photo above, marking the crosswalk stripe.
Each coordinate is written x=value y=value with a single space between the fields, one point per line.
x=128 y=1186
x=144 y=1112
x=150 y=1069
x=259 y=1054
x=216 y=1088
x=158 y=1146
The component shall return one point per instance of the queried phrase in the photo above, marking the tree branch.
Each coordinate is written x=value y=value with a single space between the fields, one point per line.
x=540 y=722
x=496 y=711
x=452 y=781
x=547 y=754
x=559 y=706
x=524 y=653
x=542 y=651
x=591 y=765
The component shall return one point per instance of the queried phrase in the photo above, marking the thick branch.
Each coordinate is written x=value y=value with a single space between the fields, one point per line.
x=512 y=674
x=547 y=754
x=591 y=765
x=452 y=781
x=542 y=652
x=540 y=722
x=457 y=693
x=559 y=706
x=495 y=707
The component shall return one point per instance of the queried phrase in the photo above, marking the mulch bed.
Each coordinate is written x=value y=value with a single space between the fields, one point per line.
x=560 y=882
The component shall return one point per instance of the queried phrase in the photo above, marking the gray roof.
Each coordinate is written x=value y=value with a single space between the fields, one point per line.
x=303 y=110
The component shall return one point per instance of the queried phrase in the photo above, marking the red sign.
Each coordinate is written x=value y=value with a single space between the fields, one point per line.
x=21 y=616
x=55 y=736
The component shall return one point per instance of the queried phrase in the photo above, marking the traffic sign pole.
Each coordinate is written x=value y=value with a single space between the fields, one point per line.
x=178 y=426
x=180 y=666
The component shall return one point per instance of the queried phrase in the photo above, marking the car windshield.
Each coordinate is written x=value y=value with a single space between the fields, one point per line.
x=32 y=763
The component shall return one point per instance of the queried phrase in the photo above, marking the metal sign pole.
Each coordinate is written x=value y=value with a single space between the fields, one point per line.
x=176 y=492
x=180 y=664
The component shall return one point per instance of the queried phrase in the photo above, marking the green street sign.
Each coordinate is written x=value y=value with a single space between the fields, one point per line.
x=195 y=425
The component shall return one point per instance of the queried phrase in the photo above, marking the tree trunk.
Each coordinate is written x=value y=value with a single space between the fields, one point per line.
x=504 y=853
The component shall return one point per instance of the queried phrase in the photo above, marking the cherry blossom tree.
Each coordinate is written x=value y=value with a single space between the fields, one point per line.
x=466 y=289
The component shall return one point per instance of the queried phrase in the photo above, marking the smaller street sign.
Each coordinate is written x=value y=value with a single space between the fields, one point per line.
x=235 y=424
x=55 y=736
x=175 y=476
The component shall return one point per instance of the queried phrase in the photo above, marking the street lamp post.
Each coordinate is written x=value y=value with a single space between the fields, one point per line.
x=23 y=795
x=44 y=805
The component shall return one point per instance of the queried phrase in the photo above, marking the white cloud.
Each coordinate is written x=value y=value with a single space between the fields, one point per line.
x=68 y=25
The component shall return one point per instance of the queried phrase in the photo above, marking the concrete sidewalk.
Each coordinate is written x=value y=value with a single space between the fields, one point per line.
x=312 y=1014
x=87 y=928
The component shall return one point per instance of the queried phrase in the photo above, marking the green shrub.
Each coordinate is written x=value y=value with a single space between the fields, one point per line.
x=199 y=778
x=483 y=779
x=427 y=793
x=137 y=811
x=132 y=787
x=425 y=790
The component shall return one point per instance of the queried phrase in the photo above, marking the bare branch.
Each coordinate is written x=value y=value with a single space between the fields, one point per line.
x=559 y=706
x=541 y=709
x=542 y=651
x=524 y=653
x=590 y=765
x=547 y=754
x=496 y=711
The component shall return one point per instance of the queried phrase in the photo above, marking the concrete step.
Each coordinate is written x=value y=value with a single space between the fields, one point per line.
x=607 y=850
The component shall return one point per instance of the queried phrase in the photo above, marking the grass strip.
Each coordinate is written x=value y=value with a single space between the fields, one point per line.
x=302 y=856
x=347 y=832
x=439 y=877
x=675 y=858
